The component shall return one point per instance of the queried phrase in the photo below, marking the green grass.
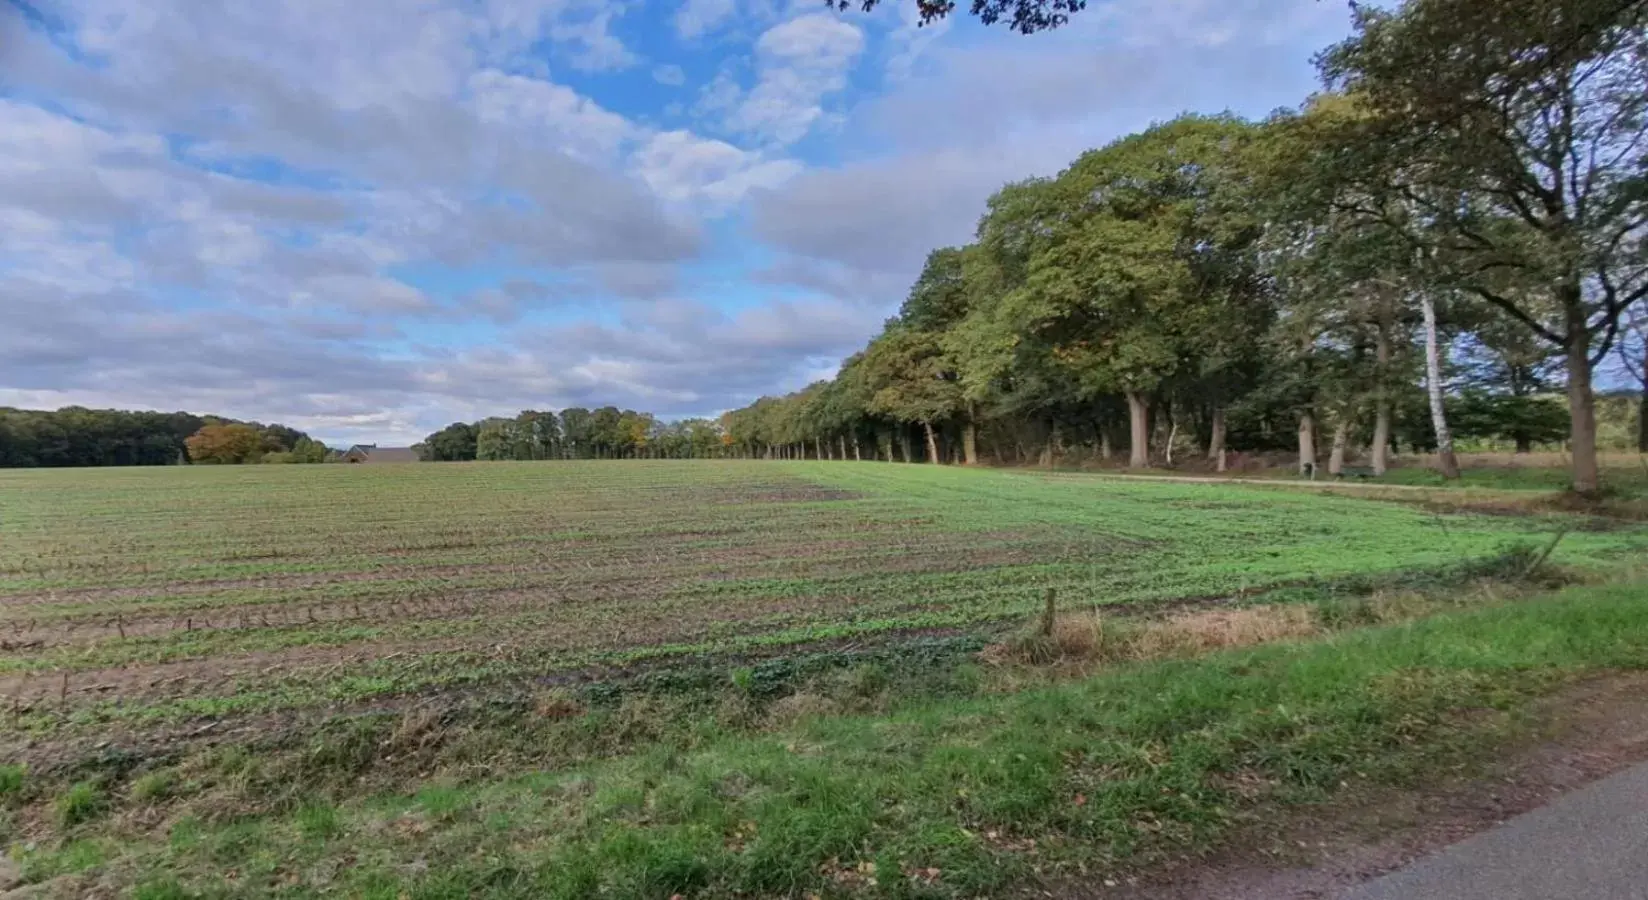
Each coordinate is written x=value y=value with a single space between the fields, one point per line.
x=938 y=798
x=713 y=679
x=144 y=597
x=82 y=802
x=13 y=778
x=154 y=787
x=1622 y=480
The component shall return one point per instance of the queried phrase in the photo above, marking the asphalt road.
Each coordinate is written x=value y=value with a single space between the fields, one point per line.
x=1588 y=845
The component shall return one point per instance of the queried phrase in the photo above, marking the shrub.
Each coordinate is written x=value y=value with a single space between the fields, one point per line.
x=13 y=778
x=153 y=787
x=82 y=802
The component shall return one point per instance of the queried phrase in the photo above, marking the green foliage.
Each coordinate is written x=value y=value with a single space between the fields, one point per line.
x=910 y=378
x=82 y=802
x=455 y=442
x=606 y=433
x=76 y=436
x=1486 y=159
x=154 y=786
x=1526 y=421
x=161 y=889
x=1503 y=143
x=494 y=439
x=13 y=781
x=318 y=821
x=308 y=451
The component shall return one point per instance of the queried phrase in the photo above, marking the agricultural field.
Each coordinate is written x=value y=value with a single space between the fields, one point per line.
x=705 y=679
x=150 y=599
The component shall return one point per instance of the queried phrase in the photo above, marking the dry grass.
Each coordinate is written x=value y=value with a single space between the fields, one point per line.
x=1204 y=632
x=1091 y=639
x=557 y=703
x=1080 y=643
x=800 y=706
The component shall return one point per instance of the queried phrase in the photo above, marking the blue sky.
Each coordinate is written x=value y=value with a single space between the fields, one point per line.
x=370 y=219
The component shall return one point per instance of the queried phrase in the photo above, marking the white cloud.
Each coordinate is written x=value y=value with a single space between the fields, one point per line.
x=362 y=293
x=683 y=167
x=911 y=39
x=973 y=117
x=719 y=97
x=554 y=113
x=696 y=18
x=800 y=63
x=225 y=212
x=599 y=50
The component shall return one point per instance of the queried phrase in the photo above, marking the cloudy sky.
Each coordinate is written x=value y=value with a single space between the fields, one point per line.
x=368 y=219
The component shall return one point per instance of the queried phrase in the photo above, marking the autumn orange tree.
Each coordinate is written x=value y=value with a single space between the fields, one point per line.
x=225 y=444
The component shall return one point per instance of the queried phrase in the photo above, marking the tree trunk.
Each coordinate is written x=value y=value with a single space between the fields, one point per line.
x=1642 y=414
x=969 y=437
x=1216 y=441
x=1433 y=387
x=1581 y=401
x=1336 y=457
x=1138 y=418
x=819 y=443
x=1381 y=401
x=932 y=443
x=1047 y=447
x=1105 y=450
x=1307 y=443
x=1642 y=400
x=909 y=451
x=1524 y=444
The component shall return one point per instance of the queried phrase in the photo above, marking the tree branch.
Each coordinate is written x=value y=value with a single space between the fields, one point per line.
x=1516 y=312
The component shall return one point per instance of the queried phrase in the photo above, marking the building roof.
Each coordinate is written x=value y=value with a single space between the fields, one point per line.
x=374 y=454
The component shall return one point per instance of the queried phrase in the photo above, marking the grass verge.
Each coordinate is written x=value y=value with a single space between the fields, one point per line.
x=947 y=797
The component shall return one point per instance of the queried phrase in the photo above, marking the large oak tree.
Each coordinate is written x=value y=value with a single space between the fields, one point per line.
x=1515 y=136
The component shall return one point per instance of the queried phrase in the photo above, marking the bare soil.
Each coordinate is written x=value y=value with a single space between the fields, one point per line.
x=1590 y=730
x=455 y=592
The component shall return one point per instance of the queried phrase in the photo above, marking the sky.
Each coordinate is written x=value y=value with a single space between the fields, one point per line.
x=368 y=220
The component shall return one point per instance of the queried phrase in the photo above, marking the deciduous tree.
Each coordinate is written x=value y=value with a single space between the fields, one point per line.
x=1516 y=135
x=225 y=444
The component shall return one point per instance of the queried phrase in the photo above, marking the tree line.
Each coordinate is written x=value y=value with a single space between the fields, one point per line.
x=1464 y=203
x=575 y=433
x=77 y=436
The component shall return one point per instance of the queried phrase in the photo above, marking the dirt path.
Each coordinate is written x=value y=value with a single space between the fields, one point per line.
x=1595 y=729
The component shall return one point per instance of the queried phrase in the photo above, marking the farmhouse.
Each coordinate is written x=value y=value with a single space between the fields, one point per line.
x=372 y=453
